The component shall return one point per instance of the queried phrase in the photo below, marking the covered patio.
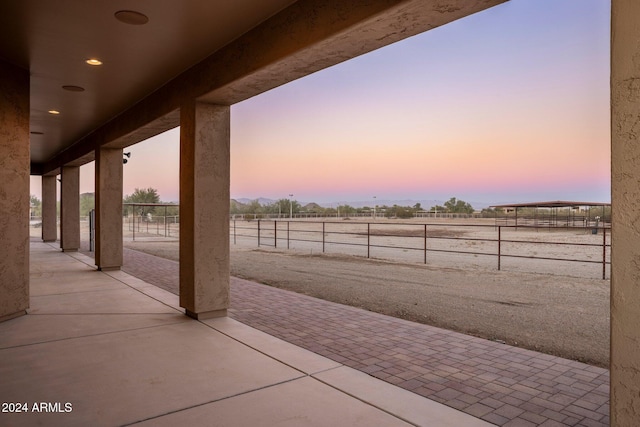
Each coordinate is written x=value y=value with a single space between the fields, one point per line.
x=106 y=348
x=81 y=80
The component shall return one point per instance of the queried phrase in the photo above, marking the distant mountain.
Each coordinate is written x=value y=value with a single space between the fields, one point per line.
x=263 y=201
x=426 y=204
x=311 y=206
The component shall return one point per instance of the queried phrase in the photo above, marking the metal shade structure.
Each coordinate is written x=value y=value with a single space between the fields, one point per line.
x=553 y=219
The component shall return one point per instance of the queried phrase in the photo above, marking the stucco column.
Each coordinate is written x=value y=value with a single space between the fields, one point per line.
x=49 y=215
x=625 y=198
x=109 y=208
x=14 y=191
x=204 y=209
x=70 y=209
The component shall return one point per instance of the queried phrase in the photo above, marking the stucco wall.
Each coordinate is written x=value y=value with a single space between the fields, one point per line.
x=109 y=175
x=70 y=208
x=625 y=197
x=204 y=209
x=14 y=191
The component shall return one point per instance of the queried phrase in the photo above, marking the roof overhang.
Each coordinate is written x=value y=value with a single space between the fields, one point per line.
x=551 y=204
x=190 y=50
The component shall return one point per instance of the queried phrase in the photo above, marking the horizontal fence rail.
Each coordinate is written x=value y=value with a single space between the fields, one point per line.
x=149 y=226
x=386 y=240
x=149 y=220
x=503 y=247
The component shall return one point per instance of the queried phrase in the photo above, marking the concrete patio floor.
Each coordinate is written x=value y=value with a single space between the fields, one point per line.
x=498 y=383
x=106 y=348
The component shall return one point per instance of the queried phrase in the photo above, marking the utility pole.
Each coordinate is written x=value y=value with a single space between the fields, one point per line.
x=291 y=206
x=374 y=208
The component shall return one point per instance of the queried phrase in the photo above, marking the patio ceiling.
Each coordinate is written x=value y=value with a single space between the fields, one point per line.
x=212 y=51
x=52 y=39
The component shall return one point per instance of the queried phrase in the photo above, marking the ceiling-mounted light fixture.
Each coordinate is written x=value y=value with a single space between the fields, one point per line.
x=54 y=112
x=124 y=161
x=131 y=17
x=93 y=61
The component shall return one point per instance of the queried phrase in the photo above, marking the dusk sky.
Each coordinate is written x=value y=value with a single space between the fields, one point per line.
x=508 y=105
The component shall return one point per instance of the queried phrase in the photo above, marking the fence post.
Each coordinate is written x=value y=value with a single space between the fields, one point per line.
x=323 y=236
x=499 y=245
x=275 y=234
x=92 y=229
x=258 y=233
x=425 y=243
x=234 y=231
x=604 y=252
x=368 y=239
x=287 y=234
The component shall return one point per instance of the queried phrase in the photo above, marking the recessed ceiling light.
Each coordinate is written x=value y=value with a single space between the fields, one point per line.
x=36 y=133
x=54 y=112
x=93 y=61
x=131 y=17
x=72 y=88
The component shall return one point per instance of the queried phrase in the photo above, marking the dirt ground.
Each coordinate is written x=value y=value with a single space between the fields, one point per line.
x=560 y=315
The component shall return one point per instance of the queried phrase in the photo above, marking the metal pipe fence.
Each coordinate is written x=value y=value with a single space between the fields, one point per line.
x=152 y=220
x=150 y=226
x=503 y=243
x=587 y=250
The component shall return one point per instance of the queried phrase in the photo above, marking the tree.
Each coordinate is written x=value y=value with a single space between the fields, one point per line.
x=234 y=208
x=458 y=206
x=145 y=195
x=253 y=207
x=398 y=212
x=36 y=206
x=296 y=206
x=173 y=210
x=281 y=206
x=492 y=212
x=87 y=203
x=346 y=210
x=364 y=209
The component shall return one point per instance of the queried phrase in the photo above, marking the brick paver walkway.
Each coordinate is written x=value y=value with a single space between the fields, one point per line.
x=501 y=384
